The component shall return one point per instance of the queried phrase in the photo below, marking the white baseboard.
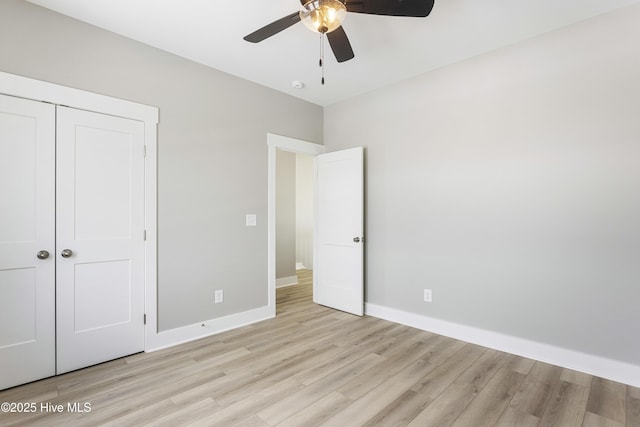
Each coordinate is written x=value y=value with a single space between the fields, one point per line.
x=199 y=330
x=300 y=266
x=286 y=281
x=614 y=370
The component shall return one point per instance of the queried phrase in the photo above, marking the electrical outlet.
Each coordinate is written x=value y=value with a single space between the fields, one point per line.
x=427 y=295
x=219 y=296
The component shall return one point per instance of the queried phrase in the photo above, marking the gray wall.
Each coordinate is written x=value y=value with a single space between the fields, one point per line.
x=509 y=184
x=212 y=151
x=285 y=214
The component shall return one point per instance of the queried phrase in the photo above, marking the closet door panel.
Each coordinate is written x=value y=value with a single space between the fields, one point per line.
x=100 y=219
x=27 y=203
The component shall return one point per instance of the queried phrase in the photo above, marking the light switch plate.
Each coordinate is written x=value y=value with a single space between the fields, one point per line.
x=219 y=296
x=251 y=220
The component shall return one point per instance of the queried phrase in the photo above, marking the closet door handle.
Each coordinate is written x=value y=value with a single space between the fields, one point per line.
x=66 y=253
x=43 y=255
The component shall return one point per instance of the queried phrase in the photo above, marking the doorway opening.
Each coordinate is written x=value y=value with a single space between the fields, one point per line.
x=294 y=219
x=282 y=241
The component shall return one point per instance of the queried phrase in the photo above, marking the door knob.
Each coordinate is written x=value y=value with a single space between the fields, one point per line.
x=43 y=255
x=356 y=239
x=66 y=253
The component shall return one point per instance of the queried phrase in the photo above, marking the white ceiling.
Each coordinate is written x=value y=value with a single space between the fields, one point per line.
x=387 y=49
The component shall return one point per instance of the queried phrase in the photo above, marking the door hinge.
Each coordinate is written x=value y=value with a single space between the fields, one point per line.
x=145 y=150
x=145 y=318
x=145 y=235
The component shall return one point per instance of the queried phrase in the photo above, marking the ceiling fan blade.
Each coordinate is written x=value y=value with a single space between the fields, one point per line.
x=417 y=8
x=340 y=44
x=274 y=28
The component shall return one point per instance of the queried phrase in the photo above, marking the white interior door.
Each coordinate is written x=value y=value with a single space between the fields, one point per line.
x=339 y=231
x=100 y=238
x=27 y=200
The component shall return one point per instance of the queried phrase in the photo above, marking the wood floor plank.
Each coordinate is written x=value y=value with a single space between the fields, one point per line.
x=518 y=364
x=181 y=416
x=594 y=420
x=400 y=411
x=633 y=406
x=312 y=365
x=250 y=405
x=483 y=369
x=318 y=412
x=316 y=391
x=576 y=377
x=276 y=372
x=385 y=370
x=328 y=368
x=607 y=399
x=120 y=402
x=567 y=406
x=253 y=421
x=144 y=413
x=447 y=370
x=512 y=417
x=373 y=402
x=537 y=390
x=487 y=407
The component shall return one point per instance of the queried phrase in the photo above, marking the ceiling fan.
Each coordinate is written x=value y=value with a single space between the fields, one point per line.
x=326 y=16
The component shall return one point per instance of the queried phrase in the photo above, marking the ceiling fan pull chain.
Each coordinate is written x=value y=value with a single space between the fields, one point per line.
x=321 y=63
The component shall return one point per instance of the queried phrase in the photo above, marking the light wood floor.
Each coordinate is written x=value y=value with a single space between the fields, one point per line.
x=315 y=366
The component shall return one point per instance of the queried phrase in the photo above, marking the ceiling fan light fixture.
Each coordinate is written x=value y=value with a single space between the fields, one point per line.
x=323 y=16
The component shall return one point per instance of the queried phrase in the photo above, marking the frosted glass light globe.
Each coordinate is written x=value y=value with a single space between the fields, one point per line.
x=323 y=16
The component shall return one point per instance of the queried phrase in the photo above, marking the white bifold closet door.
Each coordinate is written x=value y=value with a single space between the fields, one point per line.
x=99 y=238
x=27 y=241
x=71 y=239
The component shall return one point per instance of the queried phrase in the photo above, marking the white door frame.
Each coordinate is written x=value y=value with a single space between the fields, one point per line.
x=278 y=142
x=37 y=90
